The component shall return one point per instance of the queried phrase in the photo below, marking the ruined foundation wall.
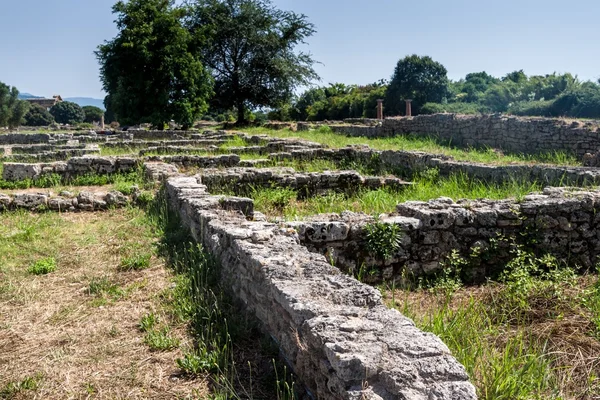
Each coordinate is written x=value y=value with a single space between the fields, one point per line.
x=514 y=134
x=561 y=222
x=407 y=163
x=334 y=331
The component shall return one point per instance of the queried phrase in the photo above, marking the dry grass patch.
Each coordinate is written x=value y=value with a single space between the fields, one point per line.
x=74 y=332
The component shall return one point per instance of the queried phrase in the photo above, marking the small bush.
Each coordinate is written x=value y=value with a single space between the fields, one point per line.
x=382 y=240
x=43 y=266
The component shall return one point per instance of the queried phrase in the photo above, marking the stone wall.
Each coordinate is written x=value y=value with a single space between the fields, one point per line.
x=509 y=133
x=407 y=163
x=64 y=201
x=242 y=180
x=74 y=166
x=563 y=222
x=337 y=335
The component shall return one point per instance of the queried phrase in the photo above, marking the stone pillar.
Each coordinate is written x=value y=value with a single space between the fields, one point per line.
x=408 y=108
x=102 y=122
x=379 y=108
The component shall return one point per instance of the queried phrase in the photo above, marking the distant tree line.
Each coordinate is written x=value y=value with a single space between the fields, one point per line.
x=426 y=83
x=15 y=112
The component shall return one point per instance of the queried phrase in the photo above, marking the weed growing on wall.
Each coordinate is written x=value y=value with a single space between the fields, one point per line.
x=382 y=240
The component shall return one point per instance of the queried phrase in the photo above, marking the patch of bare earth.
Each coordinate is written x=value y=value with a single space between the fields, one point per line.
x=76 y=343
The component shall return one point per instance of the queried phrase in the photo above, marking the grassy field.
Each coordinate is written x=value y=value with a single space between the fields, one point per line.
x=534 y=334
x=281 y=202
x=429 y=145
x=100 y=305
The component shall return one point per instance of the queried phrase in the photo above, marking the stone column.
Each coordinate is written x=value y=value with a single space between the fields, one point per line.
x=102 y=122
x=408 y=108
x=379 y=108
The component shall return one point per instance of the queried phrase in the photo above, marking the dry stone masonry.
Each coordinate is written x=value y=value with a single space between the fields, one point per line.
x=335 y=332
x=514 y=134
x=562 y=222
x=64 y=201
x=340 y=339
x=240 y=180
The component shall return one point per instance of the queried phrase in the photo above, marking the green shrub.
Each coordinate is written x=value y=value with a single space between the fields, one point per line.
x=67 y=112
x=43 y=266
x=539 y=108
x=38 y=116
x=382 y=240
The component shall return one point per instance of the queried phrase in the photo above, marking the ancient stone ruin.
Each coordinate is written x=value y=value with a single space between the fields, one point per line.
x=296 y=277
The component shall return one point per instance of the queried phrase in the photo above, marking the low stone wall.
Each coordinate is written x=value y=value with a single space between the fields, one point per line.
x=240 y=180
x=561 y=222
x=226 y=161
x=337 y=335
x=43 y=201
x=24 y=138
x=513 y=134
x=407 y=163
x=155 y=135
x=56 y=155
x=74 y=166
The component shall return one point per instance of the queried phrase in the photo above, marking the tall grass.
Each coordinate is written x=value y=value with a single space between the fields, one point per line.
x=286 y=202
x=531 y=335
x=218 y=326
x=426 y=144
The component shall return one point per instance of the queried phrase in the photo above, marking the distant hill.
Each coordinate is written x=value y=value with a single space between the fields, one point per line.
x=86 y=101
x=24 y=96
x=82 y=101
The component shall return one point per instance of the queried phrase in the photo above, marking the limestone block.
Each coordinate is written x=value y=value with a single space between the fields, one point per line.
x=29 y=200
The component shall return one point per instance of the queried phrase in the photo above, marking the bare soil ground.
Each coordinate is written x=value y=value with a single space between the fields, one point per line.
x=74 y=333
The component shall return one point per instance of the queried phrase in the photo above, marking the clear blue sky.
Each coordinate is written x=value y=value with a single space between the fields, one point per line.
x=46 y=46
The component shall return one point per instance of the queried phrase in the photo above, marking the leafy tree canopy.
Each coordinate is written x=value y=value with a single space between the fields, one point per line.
x=417 y=78
x=38 y=116
x=149 y=70
x=249 y=46
x=12 y=110
x=67 y=112
x=92 y=114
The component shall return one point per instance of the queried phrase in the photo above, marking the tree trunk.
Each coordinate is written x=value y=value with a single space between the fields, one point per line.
x=241 y=119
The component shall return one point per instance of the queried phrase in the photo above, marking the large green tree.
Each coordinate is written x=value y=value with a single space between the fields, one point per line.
x=67 y=112
x=38 y=116
x=12 y=110
x=417 y=78
x=148 y=69
x=92 y=114
x=250 y=48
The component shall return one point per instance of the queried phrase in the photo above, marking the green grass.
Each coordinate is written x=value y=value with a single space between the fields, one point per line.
x=413 y=143
x=530 y=335
x=285 y=202
x=160 y=340
x=18 y=389
x=105 y=287
x=221 y=333
x=120 y=181
x=135 y=262
x=43 y=266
